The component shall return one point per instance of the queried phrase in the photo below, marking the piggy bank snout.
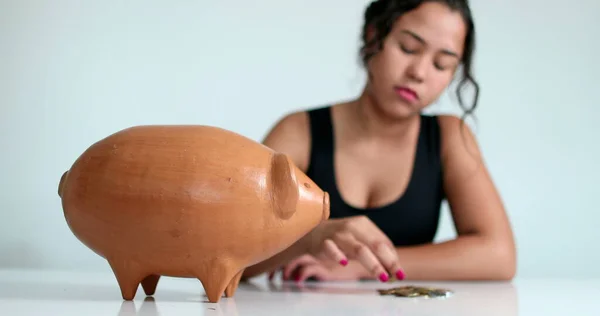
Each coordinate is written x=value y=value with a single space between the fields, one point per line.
x=61 y=183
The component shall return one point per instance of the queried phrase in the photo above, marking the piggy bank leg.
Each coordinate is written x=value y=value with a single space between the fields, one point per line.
x=215 y=278
x=233 y=284
x=128 y=275
x=149 y=284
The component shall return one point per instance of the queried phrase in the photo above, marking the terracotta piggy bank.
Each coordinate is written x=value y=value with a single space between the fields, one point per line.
x=187 y=201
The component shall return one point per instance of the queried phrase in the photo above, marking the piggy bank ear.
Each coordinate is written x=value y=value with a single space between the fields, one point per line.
x=283 y=186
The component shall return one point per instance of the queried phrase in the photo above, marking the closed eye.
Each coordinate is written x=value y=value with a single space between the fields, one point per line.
x=406 y=50
x=444 y=65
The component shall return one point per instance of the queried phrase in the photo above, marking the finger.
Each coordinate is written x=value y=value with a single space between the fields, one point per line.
x=355 y=249
x=288 y=270
x=388 y=257
x=368 y=232
x=312 y=271
x=368 y=259
x=333 y=252
x=294 y=264
x=272 y=273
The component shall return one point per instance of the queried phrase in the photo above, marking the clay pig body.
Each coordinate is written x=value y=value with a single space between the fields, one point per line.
x=187 y=201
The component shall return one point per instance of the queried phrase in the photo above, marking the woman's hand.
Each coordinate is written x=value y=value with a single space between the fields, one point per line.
x=308 y=267
x=355 y=238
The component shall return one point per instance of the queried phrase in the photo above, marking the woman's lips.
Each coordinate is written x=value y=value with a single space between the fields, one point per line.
x=406 y=94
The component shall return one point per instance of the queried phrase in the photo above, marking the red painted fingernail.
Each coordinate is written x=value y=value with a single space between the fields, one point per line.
x=383 y=277
x=400 y=275
x=344 y=262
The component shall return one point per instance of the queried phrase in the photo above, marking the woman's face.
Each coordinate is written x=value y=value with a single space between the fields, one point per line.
x=418 y=60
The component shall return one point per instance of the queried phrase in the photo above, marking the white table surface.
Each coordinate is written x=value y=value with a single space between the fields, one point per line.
x=31 y=292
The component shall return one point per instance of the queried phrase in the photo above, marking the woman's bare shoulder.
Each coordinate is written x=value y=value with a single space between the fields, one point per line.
x=291 y=135
x=458 y=140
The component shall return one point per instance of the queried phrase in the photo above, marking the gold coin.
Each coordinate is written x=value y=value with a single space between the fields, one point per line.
x=416 y=291
x=386 y=292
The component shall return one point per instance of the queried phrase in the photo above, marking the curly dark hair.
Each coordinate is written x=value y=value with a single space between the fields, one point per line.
x=380 y=17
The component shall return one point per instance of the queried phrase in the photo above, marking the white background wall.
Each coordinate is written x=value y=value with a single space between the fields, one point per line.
x=72 y=72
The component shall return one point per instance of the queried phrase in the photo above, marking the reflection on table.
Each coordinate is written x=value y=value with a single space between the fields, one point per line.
x=347 y=298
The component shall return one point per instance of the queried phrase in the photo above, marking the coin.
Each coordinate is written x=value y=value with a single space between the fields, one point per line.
x=439 y=293
x=386 y=292
x=416 y=291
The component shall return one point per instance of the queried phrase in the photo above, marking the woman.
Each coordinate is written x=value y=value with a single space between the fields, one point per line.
x=387 y=166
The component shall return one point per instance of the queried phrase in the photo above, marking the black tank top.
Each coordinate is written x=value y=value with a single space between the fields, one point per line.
x=410 y=220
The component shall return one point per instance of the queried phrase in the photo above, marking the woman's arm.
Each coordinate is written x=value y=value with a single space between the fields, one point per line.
x=484 y=248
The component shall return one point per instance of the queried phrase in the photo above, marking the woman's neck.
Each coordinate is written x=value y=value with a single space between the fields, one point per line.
x=376 y=125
